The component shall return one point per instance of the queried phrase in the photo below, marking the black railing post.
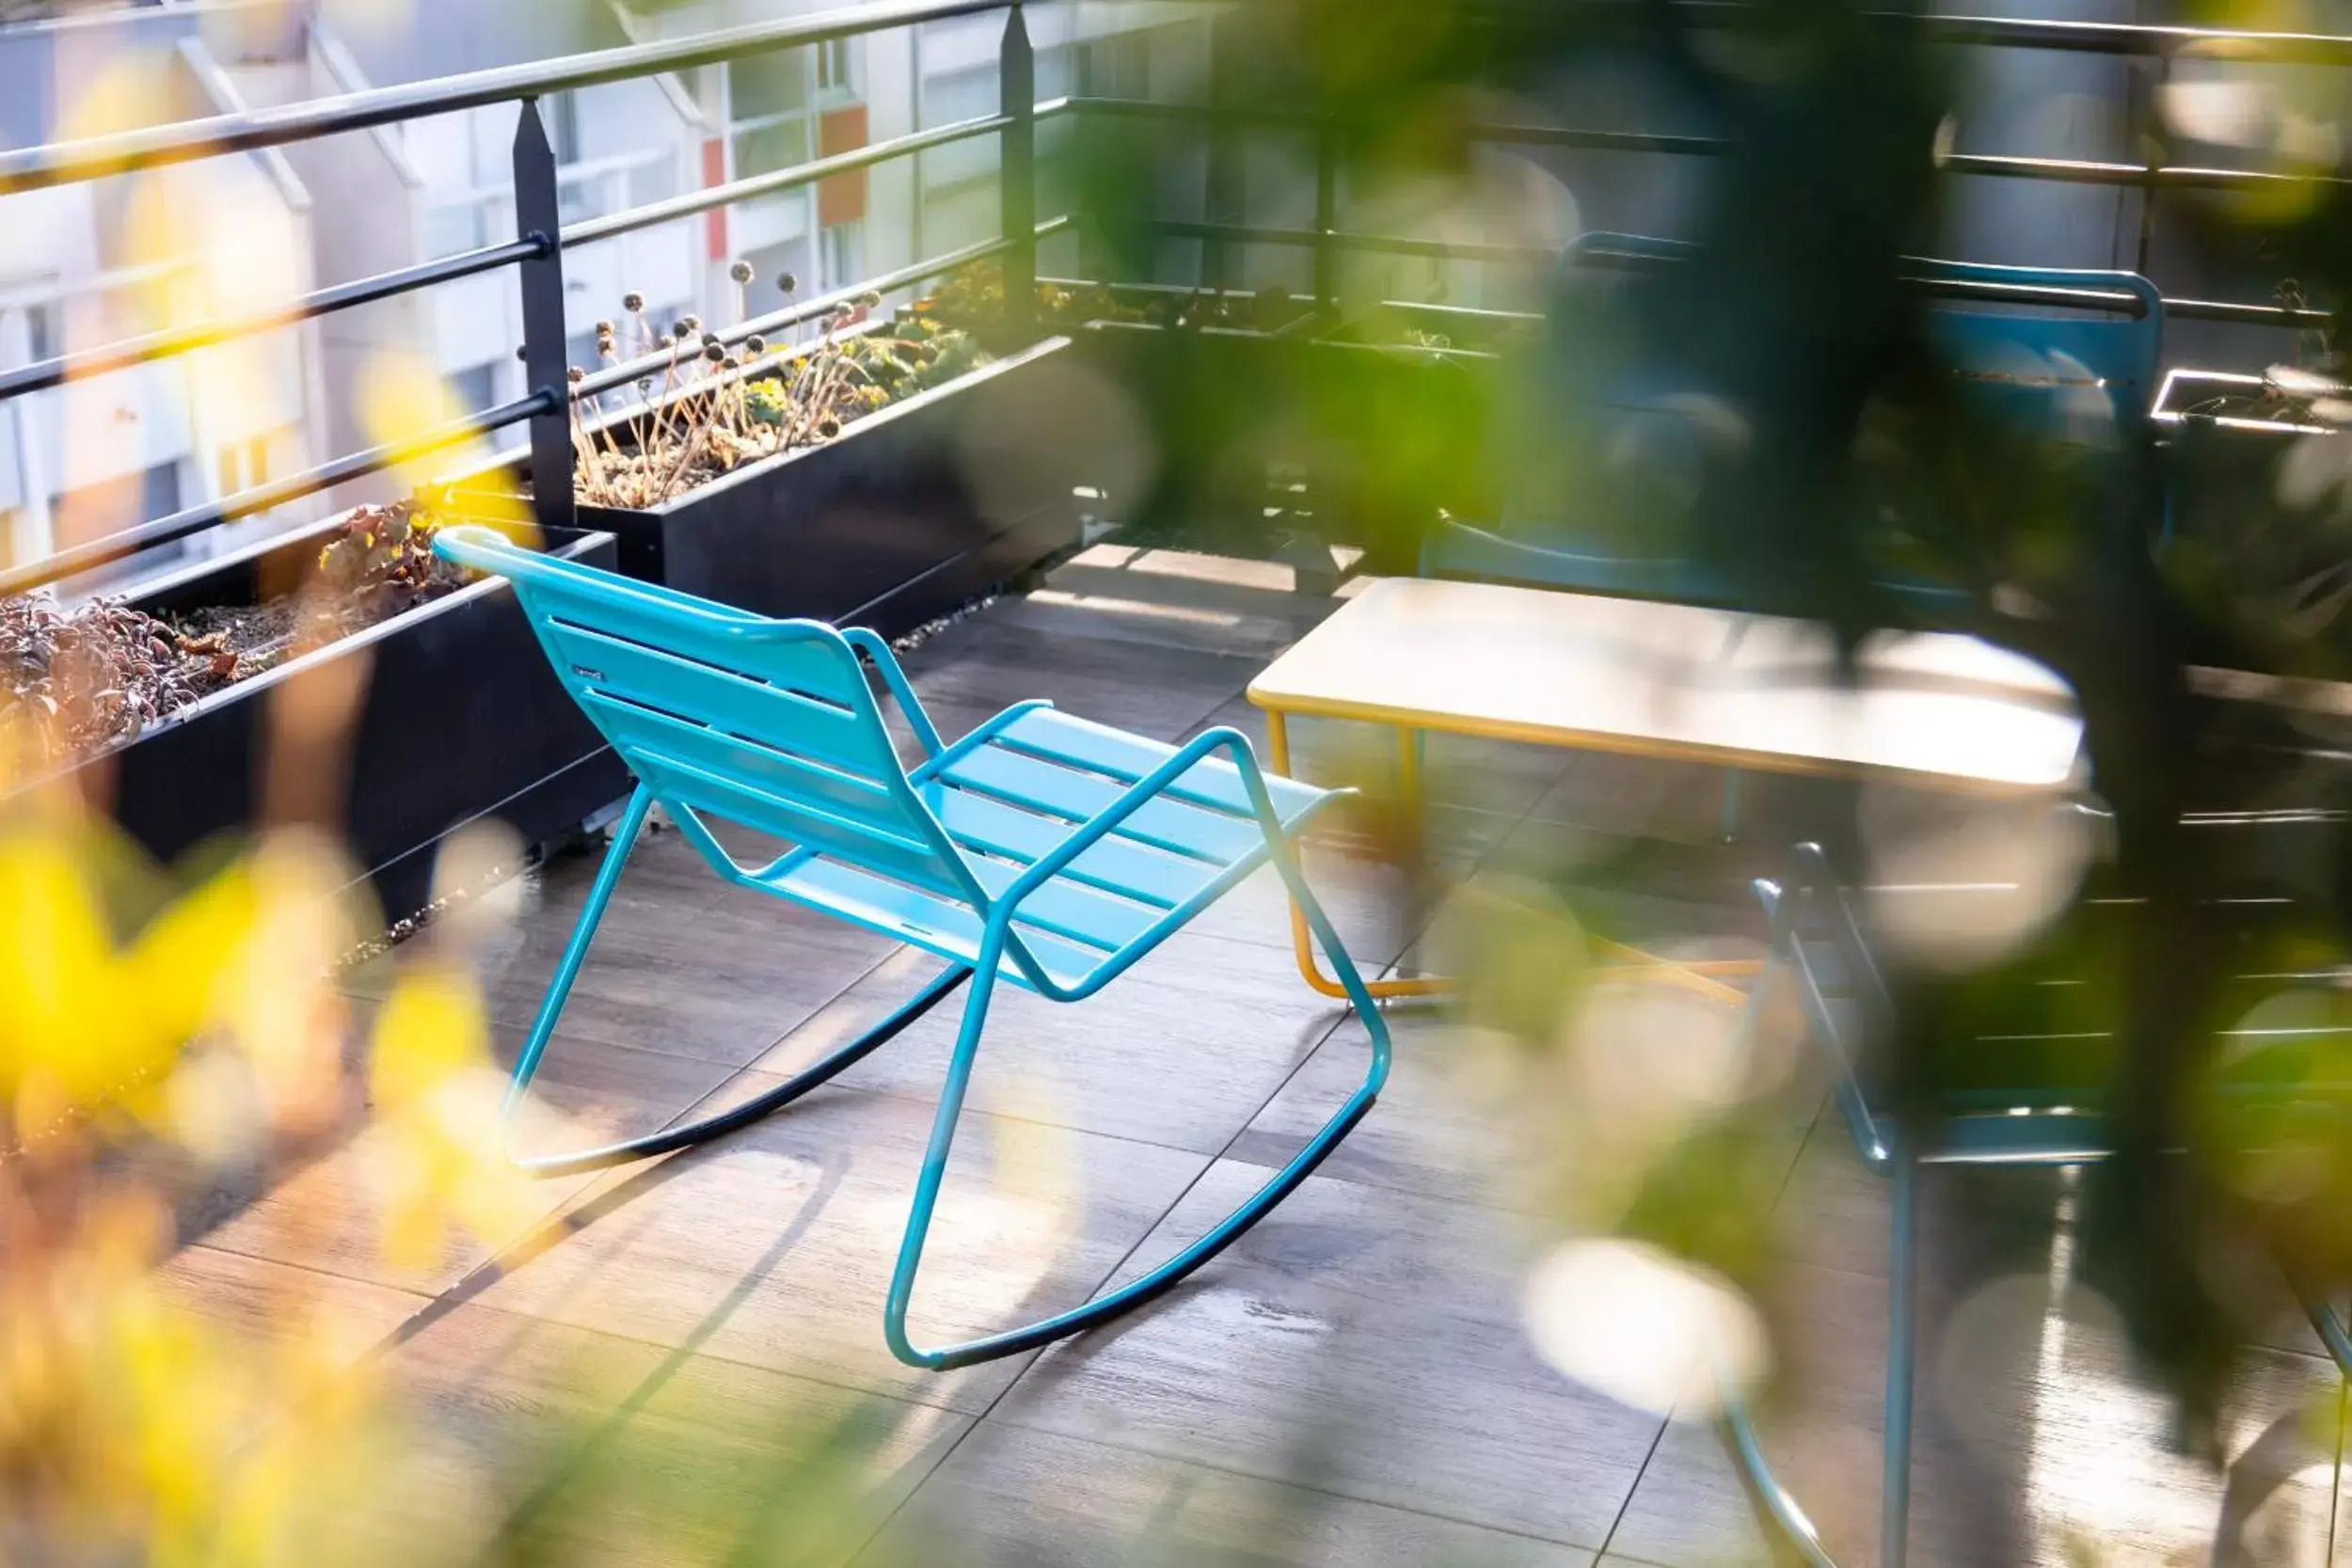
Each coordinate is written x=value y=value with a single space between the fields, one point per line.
x=1016 y=79
x=539 y=219
x=1327 y=215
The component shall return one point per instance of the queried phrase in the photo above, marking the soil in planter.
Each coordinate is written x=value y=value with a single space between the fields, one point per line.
x=75 y=681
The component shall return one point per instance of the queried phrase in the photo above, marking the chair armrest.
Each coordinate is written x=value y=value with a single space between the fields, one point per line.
x=869 y=642
x=1133 y=798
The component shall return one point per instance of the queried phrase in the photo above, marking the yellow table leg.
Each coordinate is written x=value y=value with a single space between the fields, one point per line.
x=1697 y=977
x=1279 y=745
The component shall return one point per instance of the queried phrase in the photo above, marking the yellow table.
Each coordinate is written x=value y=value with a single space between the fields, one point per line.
x=1637 y=678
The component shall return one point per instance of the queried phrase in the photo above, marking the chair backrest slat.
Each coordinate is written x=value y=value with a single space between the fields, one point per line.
x=791 y=777
x=767 y=723
x=779 y=715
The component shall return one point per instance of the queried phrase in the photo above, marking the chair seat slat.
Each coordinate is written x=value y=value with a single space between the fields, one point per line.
x=1212 y=782
x=1071 y=909
x=1121 y=866
x=1047 y=787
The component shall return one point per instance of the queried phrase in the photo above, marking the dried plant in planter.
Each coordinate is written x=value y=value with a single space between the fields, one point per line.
x=2288 y=395
x=976 y=298
x=379 y=563
x=717 y=408
x=76 y=679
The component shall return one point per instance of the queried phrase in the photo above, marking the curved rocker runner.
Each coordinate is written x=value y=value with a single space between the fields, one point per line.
x=1039 y=851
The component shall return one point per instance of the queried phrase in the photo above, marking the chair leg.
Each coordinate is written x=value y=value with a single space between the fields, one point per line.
x=1901 y=1351
x=625 y=833
x=1902 y=1327
x=2332 y=1333
x=1159 y=1280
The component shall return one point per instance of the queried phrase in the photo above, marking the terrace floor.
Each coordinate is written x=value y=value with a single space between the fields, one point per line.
x=1352 y=1383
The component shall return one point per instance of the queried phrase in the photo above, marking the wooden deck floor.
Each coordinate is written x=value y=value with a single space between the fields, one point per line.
x=1351 y=1385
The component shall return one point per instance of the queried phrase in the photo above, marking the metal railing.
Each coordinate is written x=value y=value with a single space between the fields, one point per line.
x=536 y=251
x=541 y=239
x=2166 y=45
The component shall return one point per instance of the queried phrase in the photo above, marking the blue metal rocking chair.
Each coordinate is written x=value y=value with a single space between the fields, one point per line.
x=1039 y=849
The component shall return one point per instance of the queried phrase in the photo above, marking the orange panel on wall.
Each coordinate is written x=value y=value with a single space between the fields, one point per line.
x=841 y=199
x=715 y=221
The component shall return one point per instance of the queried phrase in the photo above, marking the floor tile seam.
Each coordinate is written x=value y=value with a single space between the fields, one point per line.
x=1001 y=1421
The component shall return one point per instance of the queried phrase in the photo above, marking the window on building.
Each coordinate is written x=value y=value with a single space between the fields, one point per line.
x=951 y=96
x=774 y=83
x=562 y=117
x=773 y=262
x=476 y=386
x=450 y=229
x=581 y=349
x=769 y=95
x=841 y=248
x=159 y=491
x=834 y=66
x=1116 y=67
x=44 y=330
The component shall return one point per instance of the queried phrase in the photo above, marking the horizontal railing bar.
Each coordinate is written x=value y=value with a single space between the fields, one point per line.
x=94 y=157
x=2182 y=309
x=2192 y=310
x=1169 y=290
x=2094 y=38
x=1467 y=313
x=754 y=186
x=2124 y=38
x=2114 y=301
x=195 y=519
x=46 y=373
x=2065 y=171
x=2252 y=315
x=54 y=372
x=1540 y=136
x=1240 y=233
x=1608 y=141
x=2089 y=172
x=635 y=369
x=1155 y=108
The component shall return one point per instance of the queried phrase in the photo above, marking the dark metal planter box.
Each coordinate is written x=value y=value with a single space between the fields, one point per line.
x=2252 y=560
x=1384 y=437
x=910 y=512
x=459 y=718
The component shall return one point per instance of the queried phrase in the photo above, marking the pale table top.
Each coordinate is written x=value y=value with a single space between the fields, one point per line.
x=1676 y=681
